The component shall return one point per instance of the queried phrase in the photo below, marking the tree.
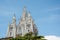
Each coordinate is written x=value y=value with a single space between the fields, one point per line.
x=29 y=36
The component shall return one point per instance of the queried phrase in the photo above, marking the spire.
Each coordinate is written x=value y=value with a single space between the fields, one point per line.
x=9 y=24
x=24 y=8
x=24 y=12
x=29 y=14
x=14 y=18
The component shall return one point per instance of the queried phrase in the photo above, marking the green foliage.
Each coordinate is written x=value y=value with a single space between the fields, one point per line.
x=28 y=36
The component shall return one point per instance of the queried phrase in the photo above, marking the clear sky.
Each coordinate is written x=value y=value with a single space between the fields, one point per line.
x=46 y=14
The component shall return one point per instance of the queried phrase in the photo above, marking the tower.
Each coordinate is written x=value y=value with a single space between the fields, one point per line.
x=12 y=28
x=22 y=23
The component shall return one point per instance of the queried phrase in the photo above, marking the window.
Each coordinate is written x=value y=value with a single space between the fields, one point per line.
x=23 y=26
x=28 y=25
x=19 y=30
x=10 y=33
x=28 y=30
x=11 y=28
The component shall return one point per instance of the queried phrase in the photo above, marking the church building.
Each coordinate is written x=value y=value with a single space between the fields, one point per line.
x=25 y=25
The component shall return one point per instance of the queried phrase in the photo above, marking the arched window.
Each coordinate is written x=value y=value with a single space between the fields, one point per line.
x=10 y=33
x=11 y=28
x=19 y=30
x=23 y=26
x=28 y=25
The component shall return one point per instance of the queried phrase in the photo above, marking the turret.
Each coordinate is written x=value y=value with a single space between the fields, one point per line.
x=14 y=19
x=14 y=26
x=8 y=35
x=24 y=13
x=29 y=16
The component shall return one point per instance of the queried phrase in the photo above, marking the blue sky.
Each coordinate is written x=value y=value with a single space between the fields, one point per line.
x=46 y=14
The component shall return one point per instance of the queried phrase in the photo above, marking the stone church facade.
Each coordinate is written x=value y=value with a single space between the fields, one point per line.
x=25 y=25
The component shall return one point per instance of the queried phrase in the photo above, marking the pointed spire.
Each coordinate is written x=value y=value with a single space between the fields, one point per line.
x=29 y=14
x=14 y=18
x=9 y=24
x=24 y=13
x=24 y=8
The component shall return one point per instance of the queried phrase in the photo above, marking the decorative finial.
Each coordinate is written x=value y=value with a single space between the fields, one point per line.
x=24 y=8
x=29 y=14
x=14 y=15
x=14 y=19
x=24 y=12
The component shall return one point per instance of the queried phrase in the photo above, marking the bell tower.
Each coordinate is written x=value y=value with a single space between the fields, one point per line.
x=12 y=28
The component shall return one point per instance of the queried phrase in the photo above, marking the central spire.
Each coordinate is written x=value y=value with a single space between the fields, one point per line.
x=24 y=8
x=24 y=12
